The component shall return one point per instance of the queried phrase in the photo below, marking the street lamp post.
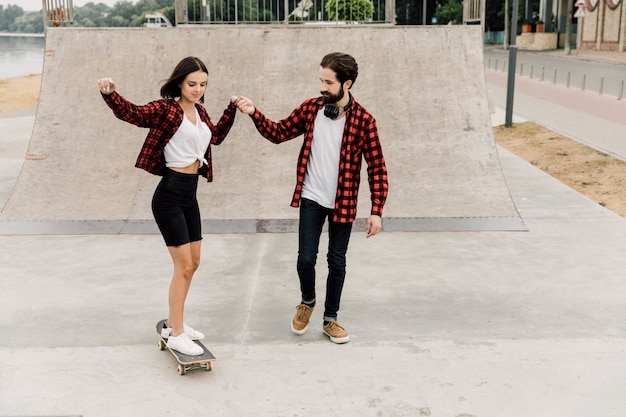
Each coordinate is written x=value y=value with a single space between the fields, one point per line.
x=510 y=87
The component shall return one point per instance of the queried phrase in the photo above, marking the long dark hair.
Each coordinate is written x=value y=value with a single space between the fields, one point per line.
x=171 y=88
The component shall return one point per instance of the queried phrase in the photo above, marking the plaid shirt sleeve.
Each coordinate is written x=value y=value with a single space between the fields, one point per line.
x=376 y=168
x=221 y=129
x=141 y=116
x=298 y=122
x=218 y=134
x=289 y=128
x=160 y=116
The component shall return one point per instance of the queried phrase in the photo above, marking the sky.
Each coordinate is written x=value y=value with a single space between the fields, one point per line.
x=35 y=5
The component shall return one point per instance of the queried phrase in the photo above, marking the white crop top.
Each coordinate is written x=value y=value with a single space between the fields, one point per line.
x=188 y=144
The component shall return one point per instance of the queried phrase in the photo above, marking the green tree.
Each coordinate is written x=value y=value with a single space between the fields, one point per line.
x=349 y=10
x=30 y=22
x=8 y=16
x=91 y=15
x=224 y=11
x=450 y=11
x=123 y=14
x=494 y=13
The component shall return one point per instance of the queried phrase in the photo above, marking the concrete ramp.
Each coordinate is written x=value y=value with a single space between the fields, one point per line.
x=425 y=86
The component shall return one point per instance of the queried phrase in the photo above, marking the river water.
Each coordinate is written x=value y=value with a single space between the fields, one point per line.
x=21 y=55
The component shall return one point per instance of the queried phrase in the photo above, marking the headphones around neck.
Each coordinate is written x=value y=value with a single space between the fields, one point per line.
x=332 y=111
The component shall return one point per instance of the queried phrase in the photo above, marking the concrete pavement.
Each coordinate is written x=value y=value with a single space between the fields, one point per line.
x=443 y=324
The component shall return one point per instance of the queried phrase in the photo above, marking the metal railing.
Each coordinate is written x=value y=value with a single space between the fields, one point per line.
x=57 y=12
x=284 y=11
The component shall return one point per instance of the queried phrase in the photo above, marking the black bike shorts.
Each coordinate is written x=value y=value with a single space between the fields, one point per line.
x=175 y=208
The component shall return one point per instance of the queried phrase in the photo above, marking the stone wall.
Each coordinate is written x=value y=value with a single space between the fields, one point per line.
x=537 y=41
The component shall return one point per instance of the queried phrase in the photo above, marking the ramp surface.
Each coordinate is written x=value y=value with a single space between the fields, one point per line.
x=433 y=117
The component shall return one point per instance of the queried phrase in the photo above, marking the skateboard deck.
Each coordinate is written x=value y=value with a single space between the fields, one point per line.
x=187 y=362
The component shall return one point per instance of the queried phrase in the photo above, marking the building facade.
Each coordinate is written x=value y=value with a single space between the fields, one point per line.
x=603 y=27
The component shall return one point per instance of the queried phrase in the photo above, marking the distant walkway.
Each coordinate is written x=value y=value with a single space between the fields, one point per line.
x=583 y=55
x=597 y=120
x=597 y=71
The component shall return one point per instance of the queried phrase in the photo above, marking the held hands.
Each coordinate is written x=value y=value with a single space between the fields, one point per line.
x=374 y=225
x=107 y=85
x=244 y=104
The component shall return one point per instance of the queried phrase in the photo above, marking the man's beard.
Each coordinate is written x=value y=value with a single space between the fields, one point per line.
x=329 y=98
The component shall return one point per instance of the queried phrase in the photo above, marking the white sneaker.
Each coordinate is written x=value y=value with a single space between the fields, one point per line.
x=184 y=344
x=189 y=331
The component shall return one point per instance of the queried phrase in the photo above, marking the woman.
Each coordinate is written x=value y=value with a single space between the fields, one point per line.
x=177 y=148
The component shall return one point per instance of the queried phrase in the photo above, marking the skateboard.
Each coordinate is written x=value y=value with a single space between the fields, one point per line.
x=187 y=362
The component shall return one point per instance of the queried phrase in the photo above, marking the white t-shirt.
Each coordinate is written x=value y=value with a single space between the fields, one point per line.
x=188 y=144
x=322 y=169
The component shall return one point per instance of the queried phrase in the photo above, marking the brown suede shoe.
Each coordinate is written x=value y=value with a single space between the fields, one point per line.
x=300 y=320
x=336 y=333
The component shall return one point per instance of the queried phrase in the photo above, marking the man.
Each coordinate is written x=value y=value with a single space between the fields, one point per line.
x=338 y=134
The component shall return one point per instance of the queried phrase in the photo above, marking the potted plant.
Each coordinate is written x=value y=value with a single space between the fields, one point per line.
x=539 y=26
x=527 y=27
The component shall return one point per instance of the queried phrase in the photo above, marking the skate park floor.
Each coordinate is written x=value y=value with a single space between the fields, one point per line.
x=522 y=323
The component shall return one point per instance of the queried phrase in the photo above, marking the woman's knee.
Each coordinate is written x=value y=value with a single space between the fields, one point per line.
x=185 y=270
x=186 y=256
x=194 y=265
x=185 y=265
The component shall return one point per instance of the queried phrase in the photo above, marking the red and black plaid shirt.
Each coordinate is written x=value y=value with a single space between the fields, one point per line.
x=163 y=117
x=360 y=140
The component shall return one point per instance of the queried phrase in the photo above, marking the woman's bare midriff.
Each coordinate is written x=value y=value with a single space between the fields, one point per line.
x=191 y=169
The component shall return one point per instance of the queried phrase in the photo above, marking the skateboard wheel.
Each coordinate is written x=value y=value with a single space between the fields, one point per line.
x=209 y=366
x=161 y=345
x=181 y=370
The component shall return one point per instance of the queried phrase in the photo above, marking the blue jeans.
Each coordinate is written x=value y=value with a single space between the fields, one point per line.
x=312 y=219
